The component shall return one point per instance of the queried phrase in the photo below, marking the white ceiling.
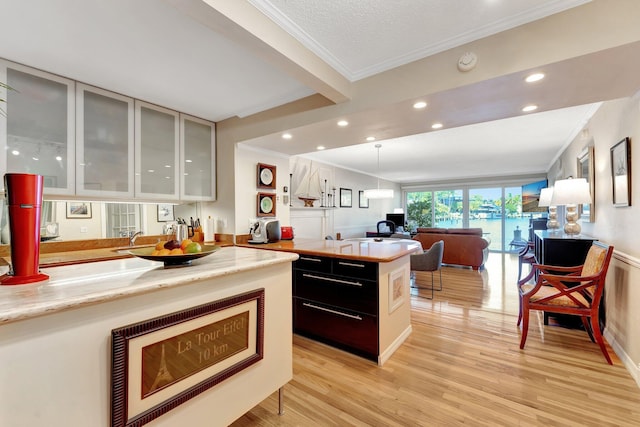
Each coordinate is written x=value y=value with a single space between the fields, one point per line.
x=156 y=51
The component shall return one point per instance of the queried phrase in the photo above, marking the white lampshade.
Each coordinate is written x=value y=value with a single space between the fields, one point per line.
x=570 y=192
x=545 y=197
x=379 y=193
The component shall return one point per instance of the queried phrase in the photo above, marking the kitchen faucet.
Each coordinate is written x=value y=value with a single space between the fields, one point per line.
x=134 y=236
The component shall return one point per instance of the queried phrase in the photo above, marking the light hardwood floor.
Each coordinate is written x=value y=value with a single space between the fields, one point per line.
x=461 y=366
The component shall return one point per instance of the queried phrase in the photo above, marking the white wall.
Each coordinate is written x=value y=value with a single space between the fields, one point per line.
x=617 y=226
x=246 y=163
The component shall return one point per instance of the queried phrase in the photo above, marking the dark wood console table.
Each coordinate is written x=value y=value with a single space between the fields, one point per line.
x=559 y=248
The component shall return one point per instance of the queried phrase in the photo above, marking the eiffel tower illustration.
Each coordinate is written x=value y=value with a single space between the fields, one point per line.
x=163 y=376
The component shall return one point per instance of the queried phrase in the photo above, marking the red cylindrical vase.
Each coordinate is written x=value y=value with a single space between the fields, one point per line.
x=23 y=194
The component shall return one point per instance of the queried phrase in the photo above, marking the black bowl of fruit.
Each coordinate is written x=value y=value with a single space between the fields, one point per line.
x=174 y=253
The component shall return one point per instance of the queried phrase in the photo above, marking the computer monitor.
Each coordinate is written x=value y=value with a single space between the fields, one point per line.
x=396 y=218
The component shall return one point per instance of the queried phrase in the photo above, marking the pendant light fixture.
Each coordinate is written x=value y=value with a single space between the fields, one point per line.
x=379 y=193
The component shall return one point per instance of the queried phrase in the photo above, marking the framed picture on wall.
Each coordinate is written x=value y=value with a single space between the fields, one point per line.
x=266 y=176
x=266 y=204
x=79 y=210
x=586 y=171
x=165 y=212
x=345 y=198
x=621 y=172
x=363 y=202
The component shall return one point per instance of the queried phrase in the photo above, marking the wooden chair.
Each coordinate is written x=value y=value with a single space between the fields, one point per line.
x=569 y=290
x=526 y=256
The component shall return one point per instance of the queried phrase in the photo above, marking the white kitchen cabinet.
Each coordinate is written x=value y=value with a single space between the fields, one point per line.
x=37 y=130
x=197 y=159
x=105 y=143
x=157 y=152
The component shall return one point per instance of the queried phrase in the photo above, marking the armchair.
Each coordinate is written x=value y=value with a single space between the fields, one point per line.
x=568 y=290
x=429 y=260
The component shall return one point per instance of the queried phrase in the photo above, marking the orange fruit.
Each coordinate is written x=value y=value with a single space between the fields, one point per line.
x=160 y=246
x=155 y=252
x=185 y=243
x=163 y=252
x=176 y=251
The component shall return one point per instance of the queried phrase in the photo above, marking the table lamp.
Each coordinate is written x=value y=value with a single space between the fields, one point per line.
x=545 y=200
x=571 y=193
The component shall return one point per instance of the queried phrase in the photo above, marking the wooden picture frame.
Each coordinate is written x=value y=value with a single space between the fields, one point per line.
x=621 y=173
x=396 y=289
x=586 y=170
x=78 y=210
x=345 y=198
x=161 y=363
x=266 y=204
x=166 y=212
x=363 y=202
x=266 y=176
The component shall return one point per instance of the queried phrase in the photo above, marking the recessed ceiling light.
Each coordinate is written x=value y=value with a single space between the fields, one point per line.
x=167 y=166
x=343 y=123
x=534 y=77
x=188 y=161
x=58 y=158
x=436 y=126
x=286 y=136
x=15 y=152
x=35 y=158
x=530 y=108
x=419 y=105
x=371 y=138
x=320 y=147
x=151 y=171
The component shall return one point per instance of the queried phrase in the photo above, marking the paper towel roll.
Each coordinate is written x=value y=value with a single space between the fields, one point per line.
x=210 y=230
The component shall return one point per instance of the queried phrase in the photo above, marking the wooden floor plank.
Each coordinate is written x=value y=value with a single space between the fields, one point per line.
x=462 y=365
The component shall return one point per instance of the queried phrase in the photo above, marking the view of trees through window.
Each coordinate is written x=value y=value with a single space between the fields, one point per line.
x=497 y=210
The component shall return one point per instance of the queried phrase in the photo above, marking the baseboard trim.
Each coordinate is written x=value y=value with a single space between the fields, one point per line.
x=385 y=355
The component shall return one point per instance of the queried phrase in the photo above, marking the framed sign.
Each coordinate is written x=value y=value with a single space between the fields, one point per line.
x=266 y=204
x=266 y=176
x=621 y=172
x=161 y=363
x=345 y=197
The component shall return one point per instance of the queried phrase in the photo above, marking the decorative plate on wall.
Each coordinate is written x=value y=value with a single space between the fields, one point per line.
x=266 y=204
x=266 y=176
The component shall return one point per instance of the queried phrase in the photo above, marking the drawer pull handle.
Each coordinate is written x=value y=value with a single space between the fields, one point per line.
x=339 y=313
x=329 y=279
x=310 y=259
x=350 y=264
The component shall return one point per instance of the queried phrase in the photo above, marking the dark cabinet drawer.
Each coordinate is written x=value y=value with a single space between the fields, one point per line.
x=351 y=331
x=355 y=269
x=352 y=294
x=313 y=263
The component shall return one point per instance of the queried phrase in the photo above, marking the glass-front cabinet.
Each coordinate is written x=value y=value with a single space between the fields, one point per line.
x=157 y=151
x=105 y=143
x=37 y=127
x=93 y=144
x=198 y=159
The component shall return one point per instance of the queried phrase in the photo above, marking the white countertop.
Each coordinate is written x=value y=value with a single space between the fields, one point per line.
x=90 y=283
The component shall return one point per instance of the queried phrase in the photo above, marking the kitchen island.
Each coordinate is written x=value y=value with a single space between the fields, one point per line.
x=56 y=336
x=353 y=294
